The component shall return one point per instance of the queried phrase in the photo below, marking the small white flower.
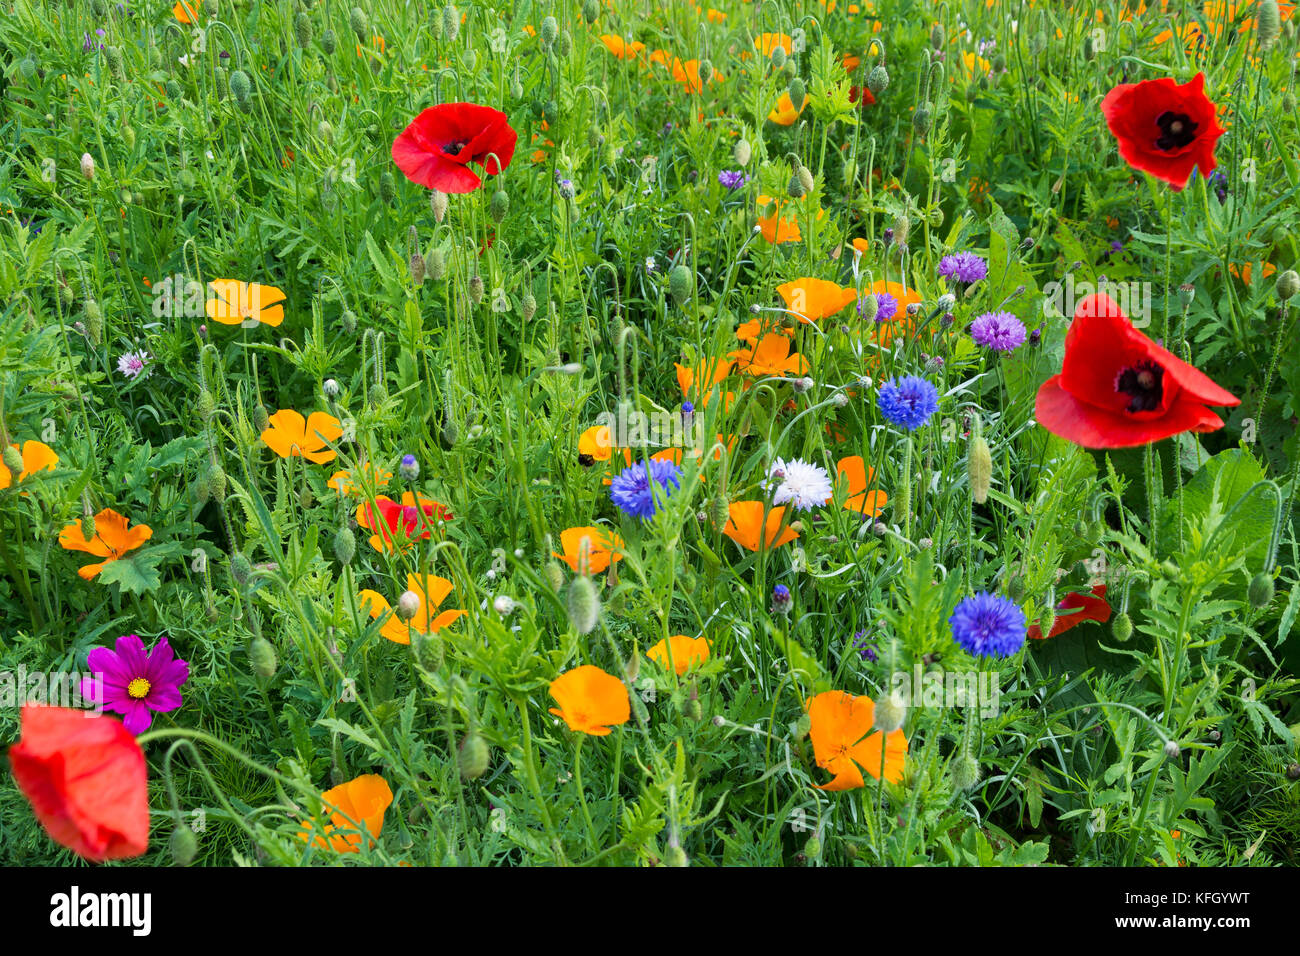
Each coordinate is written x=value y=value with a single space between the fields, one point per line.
x=503 y=604
x=132 y=364
x=650 y=264
x=798 y=483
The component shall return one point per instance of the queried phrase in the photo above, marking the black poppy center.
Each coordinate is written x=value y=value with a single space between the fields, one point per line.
x=1143 y=384
x=1176 y=130
x=455 y=146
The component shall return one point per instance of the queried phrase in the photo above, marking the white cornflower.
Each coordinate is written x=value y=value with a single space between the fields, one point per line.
x=799 y=483
x=132 y=364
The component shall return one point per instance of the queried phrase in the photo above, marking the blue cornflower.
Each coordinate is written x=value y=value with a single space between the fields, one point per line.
x=988 y=625
x=886 y=306
x=963 y=267
x=732 y=178
x=632 y=490
x=781 y=599
x=908 y=402
x=1000 y=331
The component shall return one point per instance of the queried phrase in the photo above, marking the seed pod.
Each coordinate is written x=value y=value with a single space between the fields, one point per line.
x=328 y=42
x=183 y=845
x=345 y=545
x=450 y=22
x=528 y=306
x=979 y=466
x=473 y=756
x=359 y=21
x=435 y=264
x=261 y=654
x=681 y=284
x=878 y=80
x=583 y=604
x=302 y=29
x=1260 y=591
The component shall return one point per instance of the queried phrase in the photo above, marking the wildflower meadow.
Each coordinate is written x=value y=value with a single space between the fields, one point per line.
x=792 y=433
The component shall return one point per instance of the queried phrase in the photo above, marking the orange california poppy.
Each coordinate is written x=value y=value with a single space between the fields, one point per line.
x=399 y=631
x=244 y=303
x=715 y=16
x=750 y=332
x=590 y=700
x=397 y=524
x=775 y=228
x=771 y=356
x=621 y=48
x=686 y=651
x=702 y=376
x=857 y=475
x=353 y=806
x=851 y=62
x=290 y=434
x=187 y=11
x=112 y=540
x=344 y=484
x=37 y=456
x=595 y=443
x=784 y=113
x=767 y=42
x=1242 y=272
x=812 y=300
x=688 y=75
x=744 y=520
x=589 y=548
x=843 y=740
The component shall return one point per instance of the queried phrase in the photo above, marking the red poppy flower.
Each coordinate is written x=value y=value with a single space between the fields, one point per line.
x=1118 y=389
x=85 y=777
x=437 y=147
x=1163 y=128
x=861 y=93
x=1091 y=607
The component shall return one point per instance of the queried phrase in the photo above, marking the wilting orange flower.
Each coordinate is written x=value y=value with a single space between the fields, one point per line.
x=589 y=548
x=37 y=456
x=815 y=299
x=355 y=806
x=397 y=523
x=688 y=75
x=399 y=631
x=590 y=700
x=112 y=540
x=345 y=484
x=857 y=476
x=747 y=527
x=187 y=11
x=621 y=48
x=843 y=740
x=767 y=42
x=686 y=651
x=596 y=443
x=290 y=434
x=238 y=302
x=785 y=113
x=771 y=356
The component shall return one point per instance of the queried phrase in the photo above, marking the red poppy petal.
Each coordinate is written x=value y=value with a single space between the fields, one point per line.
x=1091 y=426
x=1092 y=607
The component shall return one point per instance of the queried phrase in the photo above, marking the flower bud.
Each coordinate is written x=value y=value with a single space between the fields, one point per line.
x=408 y=605
x=328 y=42
x=261 y=654
x=183 y=845
x=302 y=29
x=590 y=10
x=435 y=264
x=550 y=30
x=87 y=165
x=554 y=575
x=796 y=188
x=742 y=152
x=345 y=545
x=583 y=604
x=979 y=466
x=438 y=203
x=1288 y=284
x=936 y=36
x=473 y=756
x=1048 y=618
x=476 y=289
x=921 y=120
x=429 y=649
x=878 y=80
x=797 y=92
x=499 y=207
x=1172 y=750
x=1121 y=627
x=359 y=22
x=112 y=56
x=965 y=770
x=1268 y=22
x=1260 y=591
x=805 y=178
x=416 y=266
x=1293 y=771
x=890 y=712
x=528 y=306
x=241 y=87
x=778 y=57
x=387 y=188
x=681 y=283
x=13 y=460
x=450 y=22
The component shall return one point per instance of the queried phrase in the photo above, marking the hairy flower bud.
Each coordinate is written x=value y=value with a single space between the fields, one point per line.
x=183 y=845
x=583 y=604
x=473 y=756
x=261 y=654
x=345 y=545
x=1121 y=627
x=742 y=152
x=1260 y=591
x=890 y=712
x=438 y=204
x=1288 y=284
x=328 y=42
x=681 y=284
x=878 y=80
x=979 y=466
x=499 y=207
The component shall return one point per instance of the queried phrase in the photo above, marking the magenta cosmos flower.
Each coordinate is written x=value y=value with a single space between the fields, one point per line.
x=135 y=683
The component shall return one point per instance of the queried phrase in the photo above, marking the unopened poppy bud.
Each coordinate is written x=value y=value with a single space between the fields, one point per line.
x=797 y=92
x=867 y=307
x=979 y=466
x=965 y=770
x=554 y=575
x=112 y=56
x=450 y=433
x=217 y=483
x=1048 y=618
x=408 y=605
x=173 y=89
x=681 y=283
x=1293 y=771
x=417 y=268
x=260 y=418
x=183 y=845
x=1268 y=22
x=890 y=711
x=349 y=320
x=806 y=178
x=528 y=306
x=302 y=29
x=305 y=497
x=328 y=42
x=583 y=604
x=921 y=120
x=359 y=21
x=999 y=64
x=429 y=650
x=87 y=165
x=1089 y=48
x=94 y=322
x=742 y=152
x=261 y=654
x=1260 y=591
x=450 y=22
x=1172 y=750
x=438 y=204
x=1121 y=627
x=387 y=188
x=1288 y=284
x=14 y=462
x=936 y=36
x=590 y=10
x=796 y=188
x=550 y=30
x=878 y=80
x=435 y=265
x=87 y=523
x=499 y=206
x=240 y=86
x=473 y=757
x=345 y=545
x=476 y=289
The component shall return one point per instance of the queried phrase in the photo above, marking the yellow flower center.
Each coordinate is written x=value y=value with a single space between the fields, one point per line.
x=138 y=688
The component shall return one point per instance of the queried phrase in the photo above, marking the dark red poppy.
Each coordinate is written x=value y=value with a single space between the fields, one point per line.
x=437 y=147
x=1091 y=607
x=1163 y=128
x=857 y=93
x=1118 y=389
x=85 y=777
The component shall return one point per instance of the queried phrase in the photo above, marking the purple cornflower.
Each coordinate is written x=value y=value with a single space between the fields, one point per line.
x=886 y=306
x=409 y=467
x=733 y=178
x=908 y=401
x=781 y=599
x=633 y=489
x=1000 y=331
x=988 y=625
x=963 y=267
x=132 y=364
x=88 y=42
x=866 y=651
x=129 y=683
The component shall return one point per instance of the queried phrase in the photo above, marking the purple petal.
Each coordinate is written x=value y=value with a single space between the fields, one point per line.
x=137 y=718
x=159 y=658
x=131 y=650
x=175 y=674
x=90 y=690
x=103 y=661
x=164 y=699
